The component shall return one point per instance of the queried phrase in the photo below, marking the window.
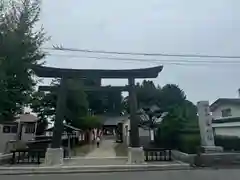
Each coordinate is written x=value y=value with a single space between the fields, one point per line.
x=29 y=129
x=226 y=112
x=10 y=129
x=14 y=129
x=6 y=129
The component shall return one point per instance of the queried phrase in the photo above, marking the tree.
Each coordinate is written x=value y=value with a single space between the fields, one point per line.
x=97 y=101
x=113 y=102
x=146 y=94
x=178 y=115
x=170 y=95
x=102 y=101
x=20 y=48
x=88 y=122
x=78 y=104
x=169 y=129
x=44 y=104
x=179 y=129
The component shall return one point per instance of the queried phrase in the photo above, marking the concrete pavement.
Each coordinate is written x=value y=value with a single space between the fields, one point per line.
x=85 y=161
x=91 y=168
x=106 y=149
x=206 y=174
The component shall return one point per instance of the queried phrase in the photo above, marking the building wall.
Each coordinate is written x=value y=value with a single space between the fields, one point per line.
x=27 y=136
x=227 y=131
x=4 y=138
x=235 y=110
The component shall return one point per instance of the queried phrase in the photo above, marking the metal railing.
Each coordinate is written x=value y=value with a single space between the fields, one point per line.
x=27 y=156
x=157 y=154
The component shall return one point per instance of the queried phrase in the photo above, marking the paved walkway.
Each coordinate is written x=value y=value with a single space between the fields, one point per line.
x=104 y=155
x=105 y=150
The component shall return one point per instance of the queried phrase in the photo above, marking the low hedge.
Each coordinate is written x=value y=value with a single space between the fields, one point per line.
x=229 y=143
x=189 y=143
x=185 y=142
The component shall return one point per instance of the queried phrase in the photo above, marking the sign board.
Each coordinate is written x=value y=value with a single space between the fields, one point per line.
x=205 y=123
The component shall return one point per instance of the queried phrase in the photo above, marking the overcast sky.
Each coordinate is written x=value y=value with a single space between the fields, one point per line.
x=153 y=26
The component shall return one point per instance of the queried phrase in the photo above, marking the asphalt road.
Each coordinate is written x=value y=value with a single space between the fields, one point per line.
x=231 y=174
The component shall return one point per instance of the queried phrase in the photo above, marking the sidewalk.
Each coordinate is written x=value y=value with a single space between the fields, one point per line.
x=91 y=169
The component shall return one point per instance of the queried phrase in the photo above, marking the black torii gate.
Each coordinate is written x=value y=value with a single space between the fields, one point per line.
x=65 y=74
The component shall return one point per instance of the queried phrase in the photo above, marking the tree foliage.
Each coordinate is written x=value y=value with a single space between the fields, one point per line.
x=44 y=104
x=171 y=100
x=169 y=130
x=20 y=48
x=169 y=96
x=80 y=106
x=146 y=93
x=102 y=101
x=88 y=122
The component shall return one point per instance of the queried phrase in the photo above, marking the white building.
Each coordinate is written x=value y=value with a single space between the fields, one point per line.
x=226 y=116
x=23 y=128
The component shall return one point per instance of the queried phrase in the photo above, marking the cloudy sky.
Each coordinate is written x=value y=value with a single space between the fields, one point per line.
x=153 y=26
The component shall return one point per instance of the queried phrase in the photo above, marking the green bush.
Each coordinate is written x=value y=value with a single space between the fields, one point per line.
x=189 y=143
x=229 y=143
x=185 y=142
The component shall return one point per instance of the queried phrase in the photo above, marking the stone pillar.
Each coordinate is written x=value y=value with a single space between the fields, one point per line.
x=205 y=126
x=54 y=155
x=135 y=152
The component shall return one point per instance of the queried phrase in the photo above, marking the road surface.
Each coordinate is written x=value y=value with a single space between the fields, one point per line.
x=231 y=174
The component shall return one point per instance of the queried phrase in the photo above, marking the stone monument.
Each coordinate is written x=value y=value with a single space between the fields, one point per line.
x=205 y=126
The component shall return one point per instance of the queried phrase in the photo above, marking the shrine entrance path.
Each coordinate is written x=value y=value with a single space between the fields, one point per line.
x=106 y=154
x=108 y=148
x=105 y=150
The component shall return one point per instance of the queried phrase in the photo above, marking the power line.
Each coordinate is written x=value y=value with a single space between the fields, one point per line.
x=56 y=48
x=156 y=61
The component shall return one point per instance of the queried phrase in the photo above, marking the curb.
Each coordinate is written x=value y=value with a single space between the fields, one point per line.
x=90 y=169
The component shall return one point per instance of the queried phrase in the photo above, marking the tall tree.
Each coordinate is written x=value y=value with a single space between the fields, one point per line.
x=113 y=102
x=169 y=96
x=44 y=104
x=20 y=46
x=169 y=130
x=97 y=101
x=146 y=93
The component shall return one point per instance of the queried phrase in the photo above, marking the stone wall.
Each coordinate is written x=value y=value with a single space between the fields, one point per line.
x=220 y=159
x=210 y=159
x=5 y=158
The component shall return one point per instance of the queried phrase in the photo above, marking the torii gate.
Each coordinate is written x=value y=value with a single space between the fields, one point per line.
x=54 y=155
